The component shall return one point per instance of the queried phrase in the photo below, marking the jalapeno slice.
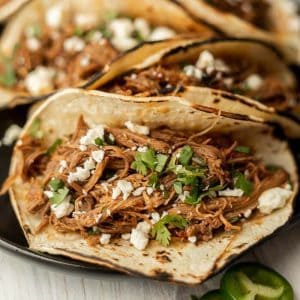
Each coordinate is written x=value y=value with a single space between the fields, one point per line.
x=212 y=295
x=252 y=281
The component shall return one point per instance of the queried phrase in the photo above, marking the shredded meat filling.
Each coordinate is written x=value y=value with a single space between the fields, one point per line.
x=99 y=204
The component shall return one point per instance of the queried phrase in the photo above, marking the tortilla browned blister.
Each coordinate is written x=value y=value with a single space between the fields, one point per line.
x=261 y=54
x=282 y=20
x=9 y=7
x=158 y=13
x=184 y=262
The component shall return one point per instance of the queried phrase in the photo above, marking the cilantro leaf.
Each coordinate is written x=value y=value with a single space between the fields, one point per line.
x=56 y=184
x=78 y=31
x=186 y=155
x=53 y=147
x=161 y=162
x=99 y=142
x=242 y=149
x=178 y=187
x=160 y=231
x=8 y=77
x=35 y=129
x=59 y=195
x=196 y=198
x=193 y=196
x=172 y=164
x=140 y=167
x=149 y=158
x=241 y=182
x=153 y=180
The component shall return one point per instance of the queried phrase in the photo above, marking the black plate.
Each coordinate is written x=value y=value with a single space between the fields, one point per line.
x=11 y=236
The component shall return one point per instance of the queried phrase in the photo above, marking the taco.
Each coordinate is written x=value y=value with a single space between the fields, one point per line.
x=277 y=22
x=55 y=44
x=151 y=187
x=9 y=7
x=238 y=75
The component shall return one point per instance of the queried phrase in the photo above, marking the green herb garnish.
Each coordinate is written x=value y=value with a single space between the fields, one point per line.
x=35 y=129
x=241 y=182
x=178 y=187
x=153 y=180
x=78 y=32
x=53 y=147
x=110 y=15
x=8 y=78
x=93 y=231
x=59 y=195
x=242 y=149
x=99 y=142
x=186 y=155
x=161 y=162
x=35 y=30
x=56 y=184
x=160 y=231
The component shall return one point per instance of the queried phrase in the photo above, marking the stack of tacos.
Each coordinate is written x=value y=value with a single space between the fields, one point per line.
x=164 y=161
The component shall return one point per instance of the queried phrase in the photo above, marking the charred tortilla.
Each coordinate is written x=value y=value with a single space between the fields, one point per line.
x=136 y=130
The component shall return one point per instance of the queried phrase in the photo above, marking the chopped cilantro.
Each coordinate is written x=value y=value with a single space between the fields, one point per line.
x=153 y=180
x=242 y=149
x=35 y=30
x=178 y=187
x=8 y=77
x=110 y=15
x=138 y=36
x=166 y=194
x=193 y=198
x=172 y=164
x=99 y=142
x=160 y=231
x=234 y=219
x=161 y=162
x=185 y=155
x=149 y=160
x=53 y=147
x=35 y=129
x=56 y=184
x=79 y=32
x=105 y=31
x=59 y=195
x=241 y=182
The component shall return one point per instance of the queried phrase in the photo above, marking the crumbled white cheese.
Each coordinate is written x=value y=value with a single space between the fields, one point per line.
x=98 y=155
x=111 y=137
x=62 y=166
x=74 y=44
x=89 y=164
x=137 y=128
x=192 y=71
x=92 y=134
x=63 y=209
x=161 y=33
x=33 y=44
x=121 y=27
x=85 y=61
x=105 y=186
x=231 y=193
x=155 y=217
x=126 y=236
x=40 y=80
x=253 y=82
x=82 y=173
x=48 y=194
x=105 y=238
x=247 y=213
x=184 y=195
x=140 y=235
x=150 y=190
x=139 y=191
x=86 y=20
x=116 y=192
x=142 y=149
x=207 y=62
x=55 y=15
x=272 y=199
x=162 y=187
x=96 y=37
x=192 y=239
x=126 y=188
x=142 y=26
x=124 y=43
x=11 y=134
x=82 y=148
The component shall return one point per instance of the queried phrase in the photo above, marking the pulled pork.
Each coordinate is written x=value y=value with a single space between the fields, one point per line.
x=127 y=177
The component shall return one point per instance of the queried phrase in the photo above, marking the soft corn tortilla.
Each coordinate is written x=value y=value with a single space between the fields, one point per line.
x=180 y=262
x=158 y=12
x=280 y=35
x=183 y=50
x=11 y=7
